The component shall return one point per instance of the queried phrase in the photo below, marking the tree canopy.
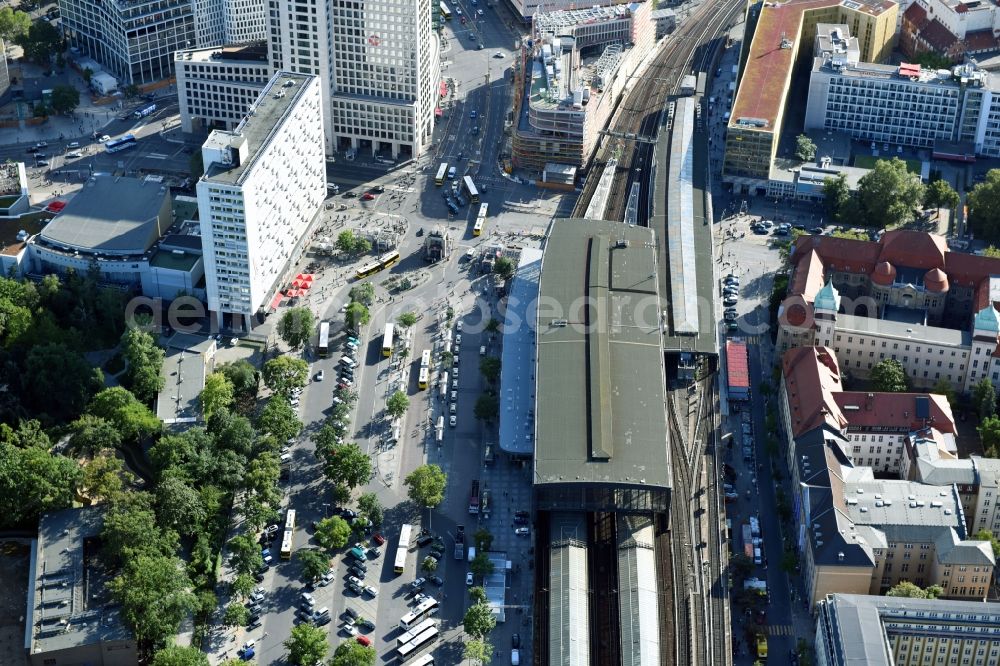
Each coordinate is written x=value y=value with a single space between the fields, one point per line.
x=984 y=207
x=889 y=194
x=32 y=479
x=351 y=243
x=888 y=376
x=314 y=563
x=356 y=316
x=984 y=398
x=154 y=592
x=178 y=655
x=352 y=653
x=397 y=404
x=64 y=99
x=119 y=407
x=41 y=43
x=504 y=268
x=217 y=394
x=145 y=363
x=284 y=373
x=14 y=25
x=371 y=508
x=489 y=366
x=805 y=149
x=487 y=407
x=940 y=194
x=363 y=293
x=306 y=645
x=279 y=420
x=407 y=319
x=344 y=463
x=333 y=533
x=907 y=589
x=836 y=194
x=479 y=621
x=426 y=485
x=296 y=326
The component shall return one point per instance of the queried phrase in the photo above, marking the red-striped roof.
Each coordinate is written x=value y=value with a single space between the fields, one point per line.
x=738 y=364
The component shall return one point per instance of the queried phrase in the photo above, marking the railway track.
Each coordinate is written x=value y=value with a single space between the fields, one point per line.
x=641 y=110
x=685 y=608
x=717 y=588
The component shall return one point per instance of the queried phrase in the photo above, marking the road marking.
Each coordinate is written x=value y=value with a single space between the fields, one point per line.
x=156 y=156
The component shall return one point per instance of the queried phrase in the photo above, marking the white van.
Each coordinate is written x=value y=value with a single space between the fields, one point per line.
x=472 y=553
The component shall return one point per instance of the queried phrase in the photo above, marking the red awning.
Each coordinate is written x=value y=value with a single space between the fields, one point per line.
x=56 y=206
x=438 y=112
x=308 y=277
x=276 y=301
x=444 y=89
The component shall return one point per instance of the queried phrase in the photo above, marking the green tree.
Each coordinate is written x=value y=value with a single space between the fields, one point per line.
x=984 y=207
x=932 y=60
x=349 y=242
x=144 y=375
x=279 y=419
x=483 y=539
x=132 y=418
x=888 y=376
x=352 y=653
x=479 y=651
x=940 y=194
x=504 y=268
x=236 y=615
x=371 y=508
x=984 y=398
x=426 y=485
x=489 y=366
x=397 y=404
x=492 y=326
x=243 y=585
x=805 y=149
x=481 y=565
x=487 y=407
x=987 y=535
x=154 y=592
x=907 y=589
x=131 y=531
x=479 y=621
x=836 y=194
x=42 y=42
x=943 y=387
x=429 y=565
x=356 y=316
x=332 y=533
x=284 y=373
x=217 y=394
x=62 y=382
x=407 y=319
x=14 y=25
x=306 y=645
x=296 y=326
x=477 y=594
x=245 y=380
x=447 y=359
x=33 y=481
x=889 y=194
x=345 y=463
x=65 y=99
x=179 y=505
x=102 y=477
x=989 y=435
x=244 y=554
x=314 y=563
x=178 y=655
x=363 y=293
x=91 y=435
x=131 y=91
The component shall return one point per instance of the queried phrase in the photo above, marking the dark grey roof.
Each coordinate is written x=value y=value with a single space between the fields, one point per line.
x=861 y=629
x=69 y=606
x=111 y=215
x=182 y=241
x=600 y=415
x=637 y=591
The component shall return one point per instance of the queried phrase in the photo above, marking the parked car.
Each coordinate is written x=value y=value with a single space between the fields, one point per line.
x=418 y=584
x=522 y=531
x=378 y=538
x=367 y=196
x=351 y=613
x=521 y=517
x=437 y=580
x=468 y=579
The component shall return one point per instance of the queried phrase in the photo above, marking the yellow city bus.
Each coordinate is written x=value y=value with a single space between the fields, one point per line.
x=387 y=337
x=288 y=536
x=441 y=174
x=425 y=359
x=369 y=269
x=388 y=260
x=424 y=379
x=477 y=229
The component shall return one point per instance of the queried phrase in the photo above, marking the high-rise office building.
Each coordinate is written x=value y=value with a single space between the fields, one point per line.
x=264 y=183
x=134 y=39
x=229 y=22
x=217 y=85
x=379 y=64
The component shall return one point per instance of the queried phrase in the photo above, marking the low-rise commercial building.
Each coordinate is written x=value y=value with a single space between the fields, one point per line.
x=526 y=9
x=900 y=631
x=217 y=85
x=949 y=28
x=264 y=184
x=71 y=617
x=579 y=67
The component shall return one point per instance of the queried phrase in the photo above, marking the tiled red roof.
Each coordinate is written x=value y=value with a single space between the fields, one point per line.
x=980 y=40
x=916 y=14
x=969 y=270
x=938 y=36
x=812 y=377
x=916 y=249
x=808 y=277
x=844 y=254
x=894 y=410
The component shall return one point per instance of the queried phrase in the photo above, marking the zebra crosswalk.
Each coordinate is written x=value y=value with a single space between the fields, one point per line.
x=780 y=630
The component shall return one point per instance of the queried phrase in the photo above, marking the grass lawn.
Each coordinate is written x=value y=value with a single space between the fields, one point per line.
x=868 y=162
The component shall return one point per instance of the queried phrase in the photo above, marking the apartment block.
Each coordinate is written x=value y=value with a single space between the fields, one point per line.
x=905 y=297
x=860 y=534
x=134 y=40
x=784 y=35
x=950 y=28
x=264 y=183
x=581 y=62
x=216 y=86
x=898 y=631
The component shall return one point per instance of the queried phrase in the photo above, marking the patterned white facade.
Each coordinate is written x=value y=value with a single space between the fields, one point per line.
x=379 y=62
x=215 y=87
x=229 y=22
x=264 y=183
